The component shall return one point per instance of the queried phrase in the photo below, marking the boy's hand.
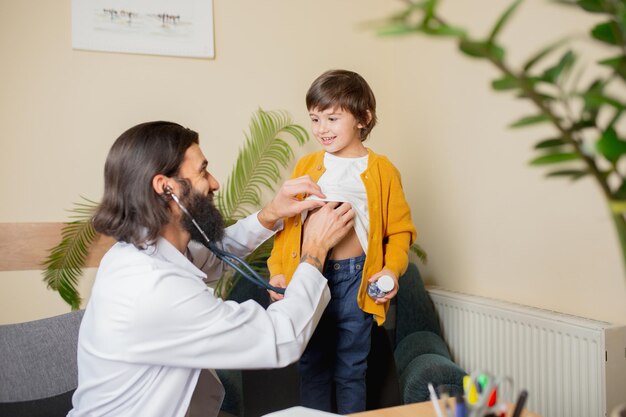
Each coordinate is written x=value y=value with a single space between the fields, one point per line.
x=391 y=293
x=279 y=282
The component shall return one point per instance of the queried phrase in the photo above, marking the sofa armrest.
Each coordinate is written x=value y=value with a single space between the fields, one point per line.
x=430 y=368
x=415 y=310
x=421 y=358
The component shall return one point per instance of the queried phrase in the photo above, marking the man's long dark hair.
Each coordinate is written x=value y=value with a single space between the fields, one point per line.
x=131 y=211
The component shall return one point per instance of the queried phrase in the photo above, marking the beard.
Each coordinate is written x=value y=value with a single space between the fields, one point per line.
x=208 y=217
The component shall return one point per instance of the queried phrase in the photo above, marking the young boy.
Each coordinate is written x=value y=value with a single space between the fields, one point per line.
x=342 y=108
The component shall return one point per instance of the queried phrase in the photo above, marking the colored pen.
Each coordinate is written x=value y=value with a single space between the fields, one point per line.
x=472 y=397
x=481 y=382
x=480 y=404
x=467 y=382
x=493 y=397
x=460 y=409
x=519 y=406
x=443 y=394
x=435 y=400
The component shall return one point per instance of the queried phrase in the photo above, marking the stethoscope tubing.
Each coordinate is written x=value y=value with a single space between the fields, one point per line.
x=249 y=273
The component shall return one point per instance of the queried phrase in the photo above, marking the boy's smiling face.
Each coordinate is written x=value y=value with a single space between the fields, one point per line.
x=338 y=132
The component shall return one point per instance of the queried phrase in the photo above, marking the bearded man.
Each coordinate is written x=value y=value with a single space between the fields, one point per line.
x=152 y=325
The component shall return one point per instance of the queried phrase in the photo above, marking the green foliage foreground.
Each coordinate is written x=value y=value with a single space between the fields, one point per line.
x=588 y=141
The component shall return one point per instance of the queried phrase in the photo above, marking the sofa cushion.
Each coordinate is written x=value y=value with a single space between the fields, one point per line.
x=54 y=406
x=433 y=368
x=416 y=344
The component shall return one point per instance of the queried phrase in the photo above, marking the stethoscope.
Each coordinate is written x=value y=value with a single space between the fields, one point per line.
x=244 y=269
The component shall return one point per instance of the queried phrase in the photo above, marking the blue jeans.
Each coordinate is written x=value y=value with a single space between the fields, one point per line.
x=338 y=350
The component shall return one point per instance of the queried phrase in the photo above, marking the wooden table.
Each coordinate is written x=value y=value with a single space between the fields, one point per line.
x=424 y=409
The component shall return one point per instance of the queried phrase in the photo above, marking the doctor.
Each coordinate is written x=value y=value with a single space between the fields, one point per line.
x=152 y=324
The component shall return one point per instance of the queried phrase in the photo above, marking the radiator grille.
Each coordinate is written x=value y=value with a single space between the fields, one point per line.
x=559 y=359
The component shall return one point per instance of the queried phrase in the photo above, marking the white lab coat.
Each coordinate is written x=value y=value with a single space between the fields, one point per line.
x=152 y=324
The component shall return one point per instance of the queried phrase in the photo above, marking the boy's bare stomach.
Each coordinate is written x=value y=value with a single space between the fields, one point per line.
x=349 y=247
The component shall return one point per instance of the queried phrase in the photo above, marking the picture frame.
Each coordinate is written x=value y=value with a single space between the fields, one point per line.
x=181 y=28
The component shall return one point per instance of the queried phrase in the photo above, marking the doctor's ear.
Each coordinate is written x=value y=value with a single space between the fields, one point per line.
x=160 y=184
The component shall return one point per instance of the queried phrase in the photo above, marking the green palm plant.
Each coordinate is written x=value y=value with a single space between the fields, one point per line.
x=63 y=267
x=259 y=165
x=588 y=141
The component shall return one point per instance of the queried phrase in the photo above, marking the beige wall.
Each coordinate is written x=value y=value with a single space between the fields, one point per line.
x=491 y=225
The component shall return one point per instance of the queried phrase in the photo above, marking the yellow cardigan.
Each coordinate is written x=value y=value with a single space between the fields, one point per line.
x=391 y=230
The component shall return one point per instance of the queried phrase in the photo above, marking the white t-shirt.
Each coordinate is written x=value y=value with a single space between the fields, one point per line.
x=342 y=182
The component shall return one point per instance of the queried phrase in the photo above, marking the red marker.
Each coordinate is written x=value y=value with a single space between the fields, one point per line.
x=492 y=398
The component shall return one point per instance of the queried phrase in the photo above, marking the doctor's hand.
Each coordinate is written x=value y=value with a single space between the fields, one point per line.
x=323 y=229
x=286 y=202
x=279 y=282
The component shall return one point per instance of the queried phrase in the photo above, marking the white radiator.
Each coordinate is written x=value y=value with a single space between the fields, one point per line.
x=571 y=366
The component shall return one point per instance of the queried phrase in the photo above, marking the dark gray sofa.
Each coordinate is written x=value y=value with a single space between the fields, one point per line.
x=420 y=352
x=38 y=372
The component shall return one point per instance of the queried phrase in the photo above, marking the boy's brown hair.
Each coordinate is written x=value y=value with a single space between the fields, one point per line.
x=344 y=90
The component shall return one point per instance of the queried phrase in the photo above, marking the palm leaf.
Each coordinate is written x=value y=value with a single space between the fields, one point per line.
x=259 y=163
x=420 y=253
x=63 y=267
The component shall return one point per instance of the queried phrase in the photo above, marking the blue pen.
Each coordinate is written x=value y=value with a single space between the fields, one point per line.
x=460 y=409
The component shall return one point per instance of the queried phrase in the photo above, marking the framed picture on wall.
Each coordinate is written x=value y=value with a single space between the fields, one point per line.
x=155 y=27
